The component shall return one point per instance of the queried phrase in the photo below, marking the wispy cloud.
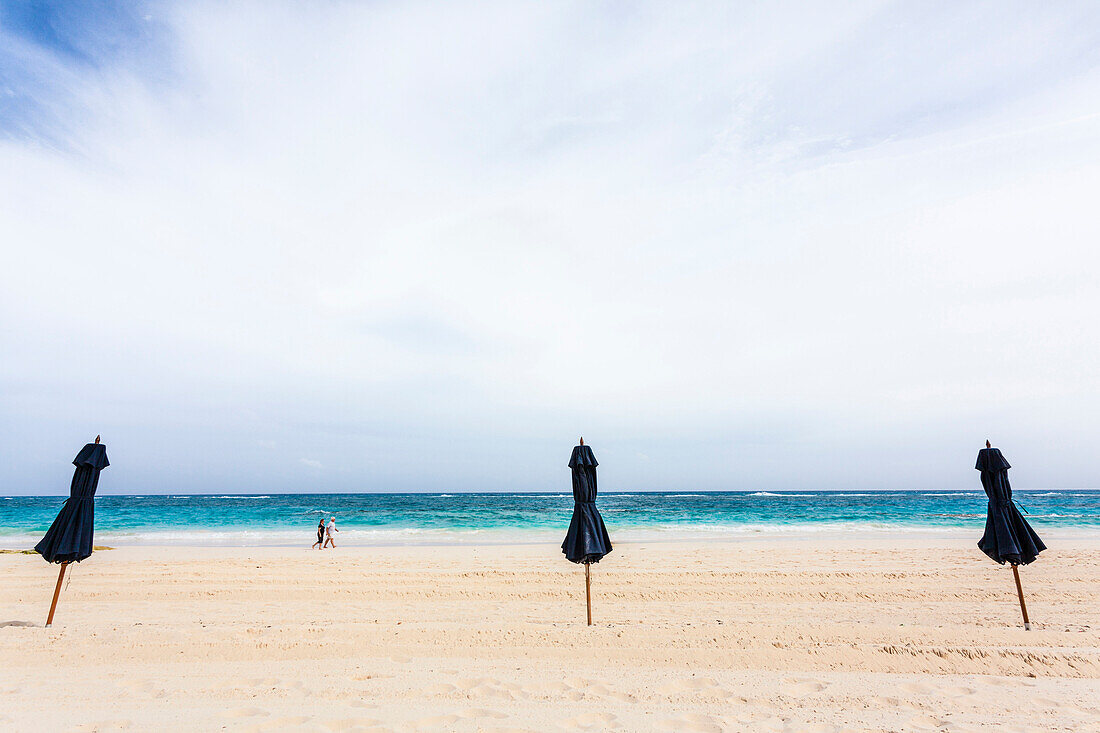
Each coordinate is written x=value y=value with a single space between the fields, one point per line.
x=50 y=52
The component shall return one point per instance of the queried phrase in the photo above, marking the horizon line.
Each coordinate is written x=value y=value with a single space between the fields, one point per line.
x=970 y=490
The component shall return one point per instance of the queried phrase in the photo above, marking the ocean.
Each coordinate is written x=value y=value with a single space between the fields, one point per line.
x=474 y=518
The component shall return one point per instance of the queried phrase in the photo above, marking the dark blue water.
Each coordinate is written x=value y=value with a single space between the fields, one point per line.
x=444 y=518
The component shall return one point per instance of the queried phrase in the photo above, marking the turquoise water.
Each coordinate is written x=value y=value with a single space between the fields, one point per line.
x=364 y=519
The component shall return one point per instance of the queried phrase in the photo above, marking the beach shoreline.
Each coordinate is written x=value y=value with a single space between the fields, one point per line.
x=356 y=538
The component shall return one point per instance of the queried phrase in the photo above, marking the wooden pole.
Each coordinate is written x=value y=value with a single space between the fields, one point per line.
x=1020 y=592
x=56 y=593
x=588 y=591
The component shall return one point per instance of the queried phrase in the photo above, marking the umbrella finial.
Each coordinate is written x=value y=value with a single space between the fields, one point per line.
x=582 y=441
x=97 y=440
x=987 y=443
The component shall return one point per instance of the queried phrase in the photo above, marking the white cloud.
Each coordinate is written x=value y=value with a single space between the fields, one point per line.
x=431 y=245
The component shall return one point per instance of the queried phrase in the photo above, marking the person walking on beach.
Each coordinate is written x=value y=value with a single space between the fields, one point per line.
x=329 y=531
x=320 y=535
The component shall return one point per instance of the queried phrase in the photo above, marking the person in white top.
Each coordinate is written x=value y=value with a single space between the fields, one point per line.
x=330 y=529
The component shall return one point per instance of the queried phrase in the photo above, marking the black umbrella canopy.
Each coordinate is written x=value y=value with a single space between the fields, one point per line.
x=587 y=540
x=69 y=538
x=1008 y=537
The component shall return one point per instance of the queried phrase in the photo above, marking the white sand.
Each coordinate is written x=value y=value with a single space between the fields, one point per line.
x=781 y=635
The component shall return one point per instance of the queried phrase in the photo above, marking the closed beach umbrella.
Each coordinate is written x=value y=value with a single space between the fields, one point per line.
x=69 y=538
x=586 y=541
x=1008 y=537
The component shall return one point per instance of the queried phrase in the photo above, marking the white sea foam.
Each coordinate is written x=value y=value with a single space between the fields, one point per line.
x=539 y=496
x=768 y=493
x=954 y=493
x=240 y=496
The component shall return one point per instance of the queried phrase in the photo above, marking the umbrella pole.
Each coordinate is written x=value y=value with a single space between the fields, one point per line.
x=588 y=590
x=56 y=593
x=1020 y=592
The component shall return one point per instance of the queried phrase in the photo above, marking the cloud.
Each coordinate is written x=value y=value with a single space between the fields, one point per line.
x=50 y=50
x=430 y=245
x=310 y=462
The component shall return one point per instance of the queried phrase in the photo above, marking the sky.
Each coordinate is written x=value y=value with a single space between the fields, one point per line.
x=407 y=246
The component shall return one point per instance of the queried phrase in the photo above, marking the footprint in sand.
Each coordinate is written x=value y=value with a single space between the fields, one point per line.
x=1000 y=682
x=247 y=713
x=694 y=722
x=145 y=686
x=437 y=721
x=579 y=688
x=264 y=682
x=893 y=702
x=544 y=689
x=441 y=689
x=927 y=722
x=578 y=695
x=801 y=688
x=623 y=696
x=481 y=713
x=692 y=684
x=467 y=683
x=587 y=721
x=958 y=691
x=915 y=688
x=751 y=716
x=772 y=722
x=476 y=685
x=1047 y=703
x=281 y=724
x=349 y=723
x=488 y=687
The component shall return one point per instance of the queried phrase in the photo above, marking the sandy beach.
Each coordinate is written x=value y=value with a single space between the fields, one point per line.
x=769 y=635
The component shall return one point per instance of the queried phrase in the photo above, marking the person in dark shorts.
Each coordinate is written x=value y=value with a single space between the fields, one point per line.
x=319 y=544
